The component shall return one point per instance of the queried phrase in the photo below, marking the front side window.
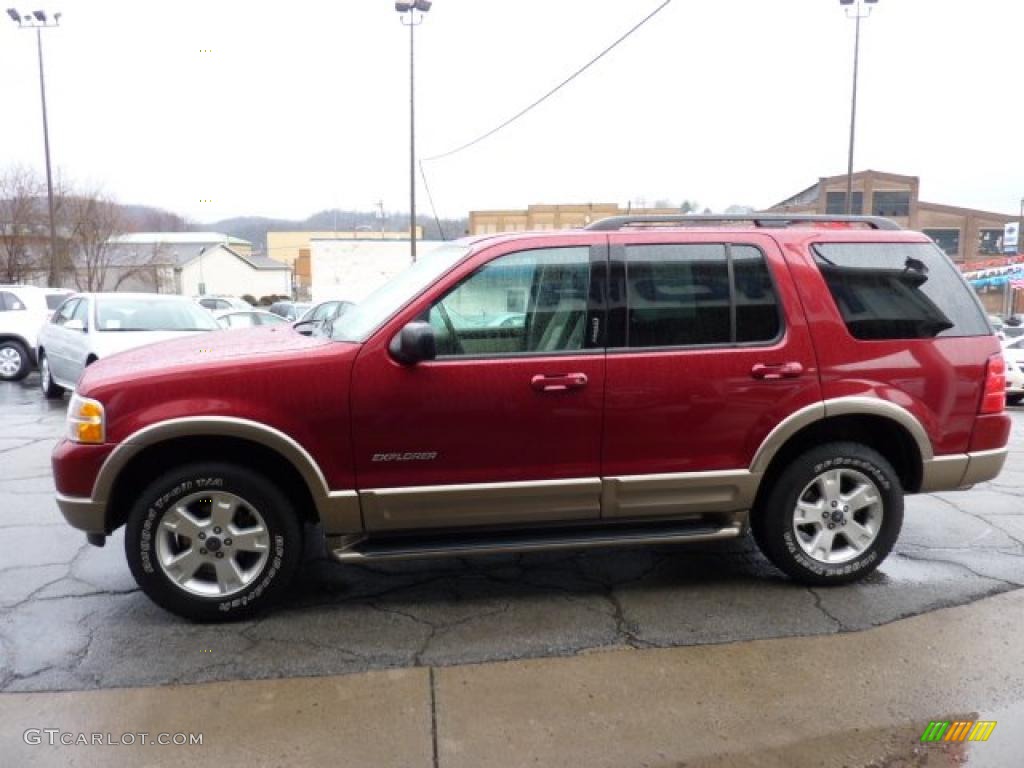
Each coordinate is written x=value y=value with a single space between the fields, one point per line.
x=899 y=291
x=82 y=313
x=526 y=302
x=681 y=295
x=67 y=309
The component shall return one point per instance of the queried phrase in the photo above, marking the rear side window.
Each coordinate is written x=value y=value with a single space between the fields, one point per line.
x=899 y=291
x=53 y=300
x=9 y=302
x=698 y=294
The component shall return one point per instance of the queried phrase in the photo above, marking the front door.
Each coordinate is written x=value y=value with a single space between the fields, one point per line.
x=504 y=426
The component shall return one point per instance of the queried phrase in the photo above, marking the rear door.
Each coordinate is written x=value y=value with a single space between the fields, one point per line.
x=708 y=352
x=504 y=426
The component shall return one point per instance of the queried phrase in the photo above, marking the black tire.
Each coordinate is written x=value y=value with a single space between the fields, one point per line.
x=145 y=540
x=774 y=522
x=16 y=360
x=1014 y=399
x=50 y=390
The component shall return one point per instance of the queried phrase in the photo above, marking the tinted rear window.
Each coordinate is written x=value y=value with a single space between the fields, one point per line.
x=899 y=291
x=53 y=300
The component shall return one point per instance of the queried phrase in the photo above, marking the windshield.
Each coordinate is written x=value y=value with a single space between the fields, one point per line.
x=152 y=314
x=369 y=314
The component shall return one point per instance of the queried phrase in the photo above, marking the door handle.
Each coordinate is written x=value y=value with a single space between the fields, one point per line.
x=559 y=383
x=788 y=370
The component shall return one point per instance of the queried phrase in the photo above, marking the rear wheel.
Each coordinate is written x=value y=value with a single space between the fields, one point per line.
x=832 y=516
x=213 y=542
x=51 y=390
x=14 y=360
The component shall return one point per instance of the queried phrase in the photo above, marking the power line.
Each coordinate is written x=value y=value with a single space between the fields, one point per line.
x=553 y=91
x=430 y=197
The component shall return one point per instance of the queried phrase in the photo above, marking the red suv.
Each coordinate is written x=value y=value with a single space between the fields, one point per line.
x=640 y=381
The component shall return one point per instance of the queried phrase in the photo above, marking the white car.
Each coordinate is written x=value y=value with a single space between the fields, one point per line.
x=91 y=326
x=218 y=303
x=23 y=308
x=1013 y=351
x=247 y=318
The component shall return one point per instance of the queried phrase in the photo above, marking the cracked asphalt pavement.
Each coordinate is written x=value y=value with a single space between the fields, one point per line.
x=71 y=617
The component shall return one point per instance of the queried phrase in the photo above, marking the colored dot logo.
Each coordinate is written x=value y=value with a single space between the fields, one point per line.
x=206 y=50
x=205 y=200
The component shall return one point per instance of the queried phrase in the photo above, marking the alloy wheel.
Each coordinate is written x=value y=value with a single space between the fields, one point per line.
x=212 y=544
x=10 y=362
x=838 y=515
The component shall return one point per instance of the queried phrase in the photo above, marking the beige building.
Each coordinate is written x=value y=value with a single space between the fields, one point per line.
x=966 y=234
x=293 y=249
x=539 y=217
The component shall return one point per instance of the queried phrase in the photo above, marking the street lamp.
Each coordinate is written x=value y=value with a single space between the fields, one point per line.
x=411 y=20
x=39 y=21
x=858 y=12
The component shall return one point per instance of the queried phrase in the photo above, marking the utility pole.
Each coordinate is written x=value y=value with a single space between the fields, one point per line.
x=411 y=20
x=859 y=13
x=39 y=21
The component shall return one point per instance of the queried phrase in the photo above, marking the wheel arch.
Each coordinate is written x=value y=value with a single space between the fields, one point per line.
x=890 y=430
x=147 y=453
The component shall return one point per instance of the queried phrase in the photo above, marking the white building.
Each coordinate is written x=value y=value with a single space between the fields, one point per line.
x=191 y=263
x=222 y=270
x=352 y=269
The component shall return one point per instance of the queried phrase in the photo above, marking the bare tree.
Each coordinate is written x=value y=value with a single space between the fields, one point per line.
x=92 y=221
x=20 y=224
x=144 y=268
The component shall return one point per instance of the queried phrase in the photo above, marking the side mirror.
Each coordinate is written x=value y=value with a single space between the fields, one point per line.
x=75 y=325
x=414 y=344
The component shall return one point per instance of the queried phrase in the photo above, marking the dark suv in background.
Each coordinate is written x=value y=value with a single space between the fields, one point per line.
x=641 y=381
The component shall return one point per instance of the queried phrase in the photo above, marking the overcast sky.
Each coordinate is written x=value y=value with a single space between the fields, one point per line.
x=303 y=105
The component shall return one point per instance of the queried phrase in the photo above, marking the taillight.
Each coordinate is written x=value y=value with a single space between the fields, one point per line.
x=993 y=397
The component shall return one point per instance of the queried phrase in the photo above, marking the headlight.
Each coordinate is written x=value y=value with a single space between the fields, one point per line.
x=86 y=422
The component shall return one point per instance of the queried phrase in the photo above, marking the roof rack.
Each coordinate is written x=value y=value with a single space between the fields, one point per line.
x=765 y=220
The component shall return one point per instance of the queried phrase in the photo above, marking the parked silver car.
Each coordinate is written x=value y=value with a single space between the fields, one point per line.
x=90 y=326
x=248 y=318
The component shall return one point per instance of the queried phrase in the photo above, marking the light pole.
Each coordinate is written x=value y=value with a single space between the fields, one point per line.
x=39 y=21
x=411 y=20
x=859 y=12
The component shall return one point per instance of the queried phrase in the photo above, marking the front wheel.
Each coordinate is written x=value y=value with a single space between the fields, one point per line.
x=832 y=516
x=50 y=390
x=213 y=542
x=1014 y=399
x=14 y=360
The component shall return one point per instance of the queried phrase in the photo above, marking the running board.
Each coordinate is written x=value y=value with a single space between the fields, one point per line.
x=352 y=549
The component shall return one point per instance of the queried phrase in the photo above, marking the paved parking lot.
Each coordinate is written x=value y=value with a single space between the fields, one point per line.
x=71 y=617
